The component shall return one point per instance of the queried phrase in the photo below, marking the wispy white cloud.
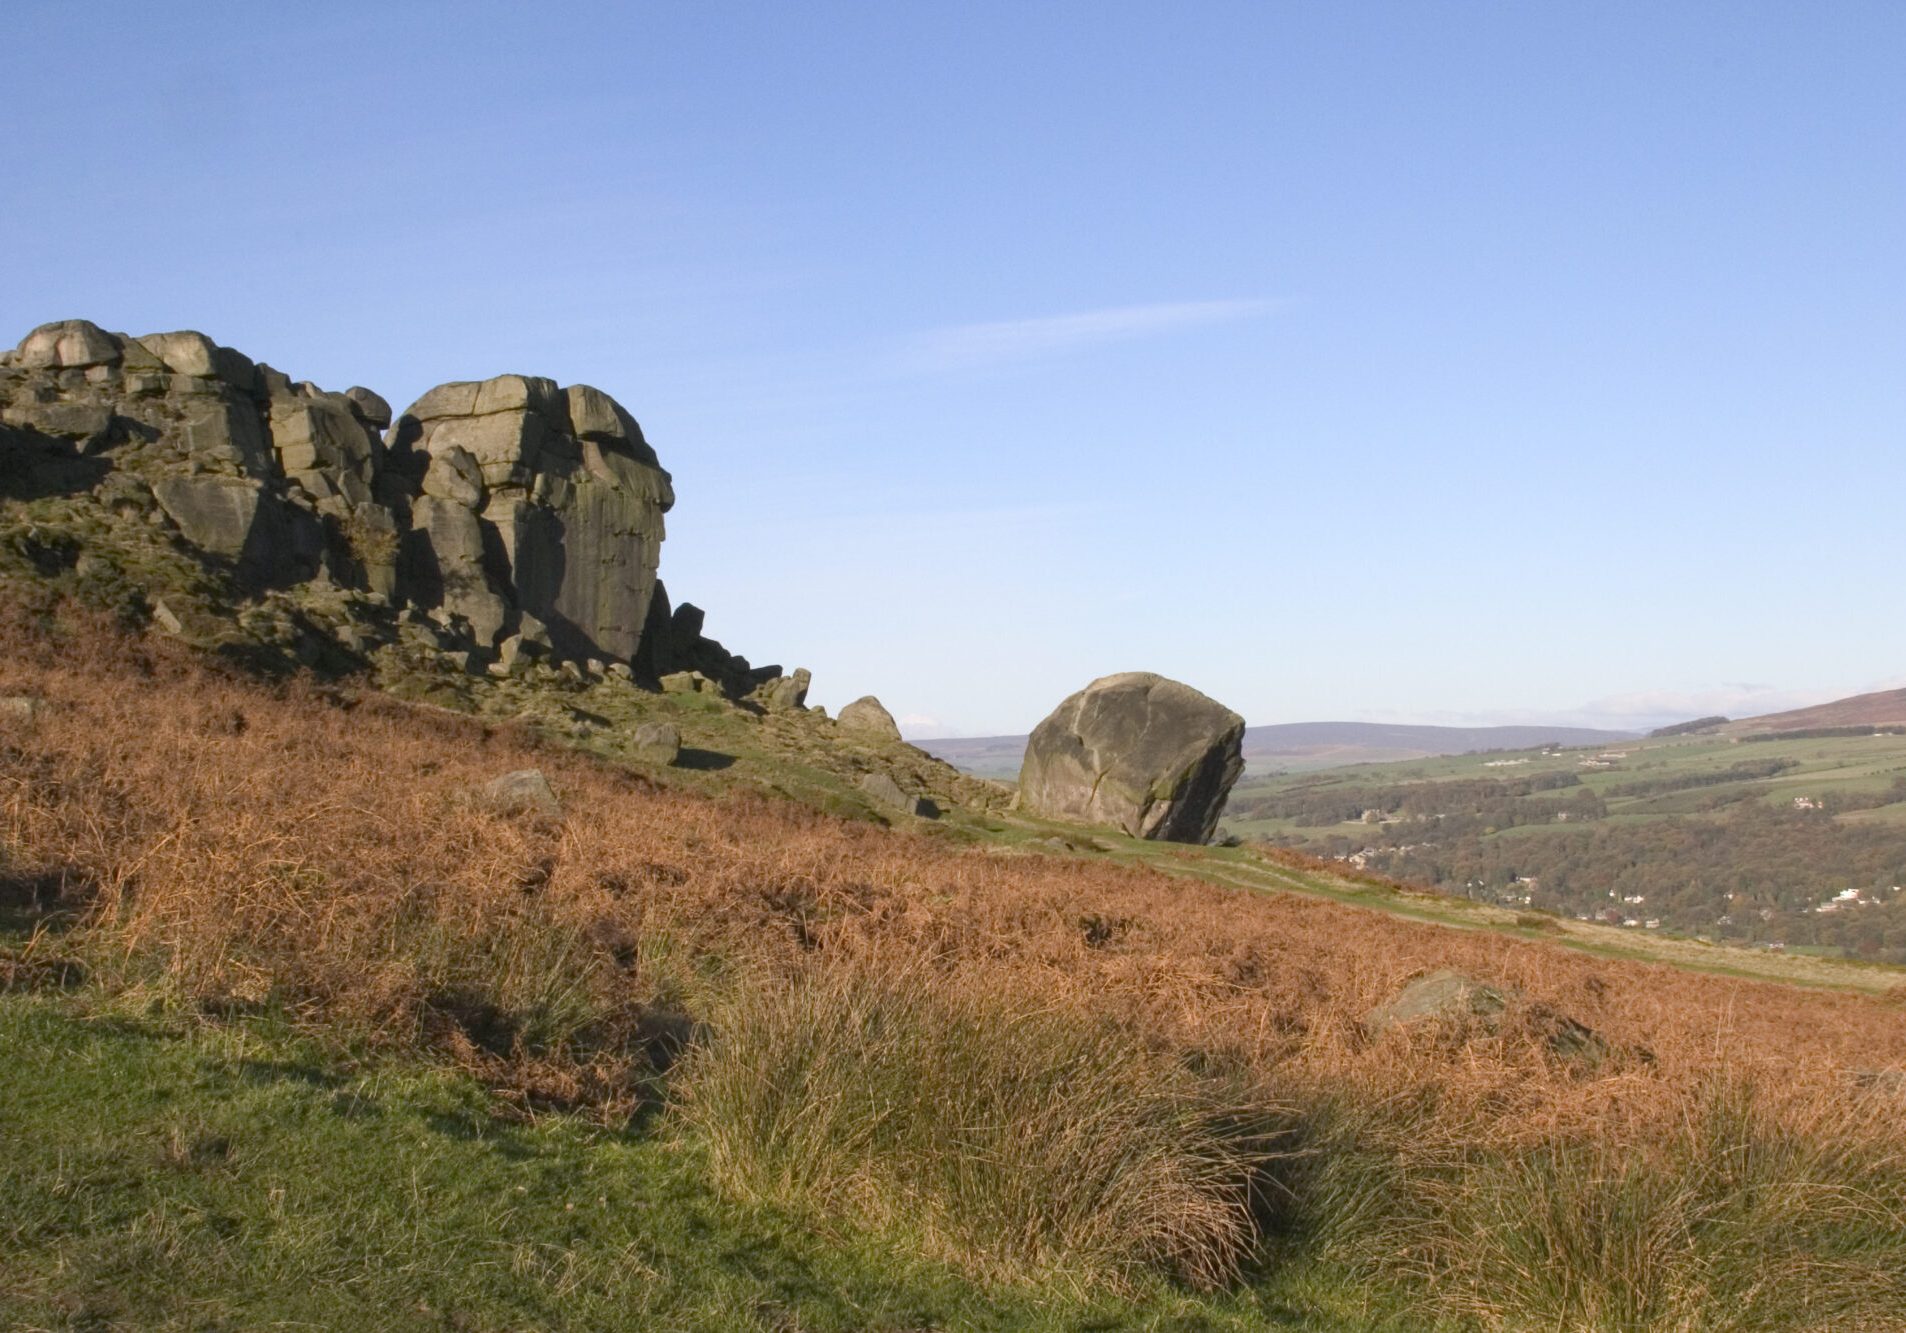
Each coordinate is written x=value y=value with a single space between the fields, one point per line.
x=923 y=726
x=1739 y=699
x=972 y=346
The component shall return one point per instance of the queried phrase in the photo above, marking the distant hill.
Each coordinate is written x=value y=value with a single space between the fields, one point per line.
x=1306 y=745
x=1882 y=708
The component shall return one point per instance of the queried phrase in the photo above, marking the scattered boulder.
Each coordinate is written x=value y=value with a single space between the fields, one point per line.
x=166 y=618
x=884 y=791
x=1145 y=754
x=866 y=714
x=784 y=693
x=1459 y=1006
x=658 y=743
x=673 y=641
x=524 y=792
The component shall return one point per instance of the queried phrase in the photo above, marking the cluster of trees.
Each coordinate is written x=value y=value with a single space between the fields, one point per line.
x=1750 y=771
x=1826 y=733
x=1323 y=805
x=1688 y=728
x=1760 y=874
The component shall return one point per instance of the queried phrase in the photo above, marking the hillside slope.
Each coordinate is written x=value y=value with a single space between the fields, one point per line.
x=1297 y=746
x=1882 y=708
x=1788 y=839
x=235 y=848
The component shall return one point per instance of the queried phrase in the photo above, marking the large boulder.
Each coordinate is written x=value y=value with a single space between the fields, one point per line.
x=568 y=500
x=1137 y=751
x=70 y=344
x=870 y=717
x=267 y=541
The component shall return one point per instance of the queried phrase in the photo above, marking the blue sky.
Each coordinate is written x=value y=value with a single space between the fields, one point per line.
x=1391 y=361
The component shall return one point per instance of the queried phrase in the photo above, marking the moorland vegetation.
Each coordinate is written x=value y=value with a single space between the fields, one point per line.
x=1066 y=1079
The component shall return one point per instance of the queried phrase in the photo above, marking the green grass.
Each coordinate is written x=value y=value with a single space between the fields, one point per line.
x=1006 y=1128
x=160 y=1175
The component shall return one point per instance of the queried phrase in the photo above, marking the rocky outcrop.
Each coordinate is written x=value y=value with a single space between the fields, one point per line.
x=191 y=422
x=884 y=792
x=1142 y=753
x=657 y=743
x=524 y=792
x=524 y=518
x=870 y=717
x=564 y=499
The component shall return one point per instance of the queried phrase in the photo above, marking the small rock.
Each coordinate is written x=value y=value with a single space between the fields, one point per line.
x=524 y=792
x=621 y=671
x=658 y=743
x=533 y=632
x=884 y=791
x=866 y=714
x=571 y=672
x=1461 y=1006
x=512 y=658
x=166 y=618
x=686 y=682
x=20 y=708
x=1441 y=996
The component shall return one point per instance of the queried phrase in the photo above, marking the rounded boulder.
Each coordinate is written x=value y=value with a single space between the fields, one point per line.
x=1145 y=754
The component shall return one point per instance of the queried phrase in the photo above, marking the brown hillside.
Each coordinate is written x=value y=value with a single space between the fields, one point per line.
x=322 y=849
x=196 y=839
x=1883 y=708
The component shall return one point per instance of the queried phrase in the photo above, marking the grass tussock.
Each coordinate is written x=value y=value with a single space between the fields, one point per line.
x=998 y=1054
x=1736 y=1209
x=1005 y=1129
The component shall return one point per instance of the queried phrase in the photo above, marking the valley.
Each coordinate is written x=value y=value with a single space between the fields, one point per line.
x=1773 y=840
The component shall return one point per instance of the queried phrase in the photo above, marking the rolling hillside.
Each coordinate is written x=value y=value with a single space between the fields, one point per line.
x=321 y=1029
x=1883 y=708
x=1300 y=746
x=1790 y=838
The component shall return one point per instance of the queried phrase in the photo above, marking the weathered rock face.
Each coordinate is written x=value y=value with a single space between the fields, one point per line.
x=869 y=716
x=883 y=791
x=510 y=509
x=566 y=499
x=1145 y=754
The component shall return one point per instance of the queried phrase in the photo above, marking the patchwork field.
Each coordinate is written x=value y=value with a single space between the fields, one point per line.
x=1751 y=838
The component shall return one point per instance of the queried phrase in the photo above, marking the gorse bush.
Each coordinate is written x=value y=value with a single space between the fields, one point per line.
x=1013 y=1133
